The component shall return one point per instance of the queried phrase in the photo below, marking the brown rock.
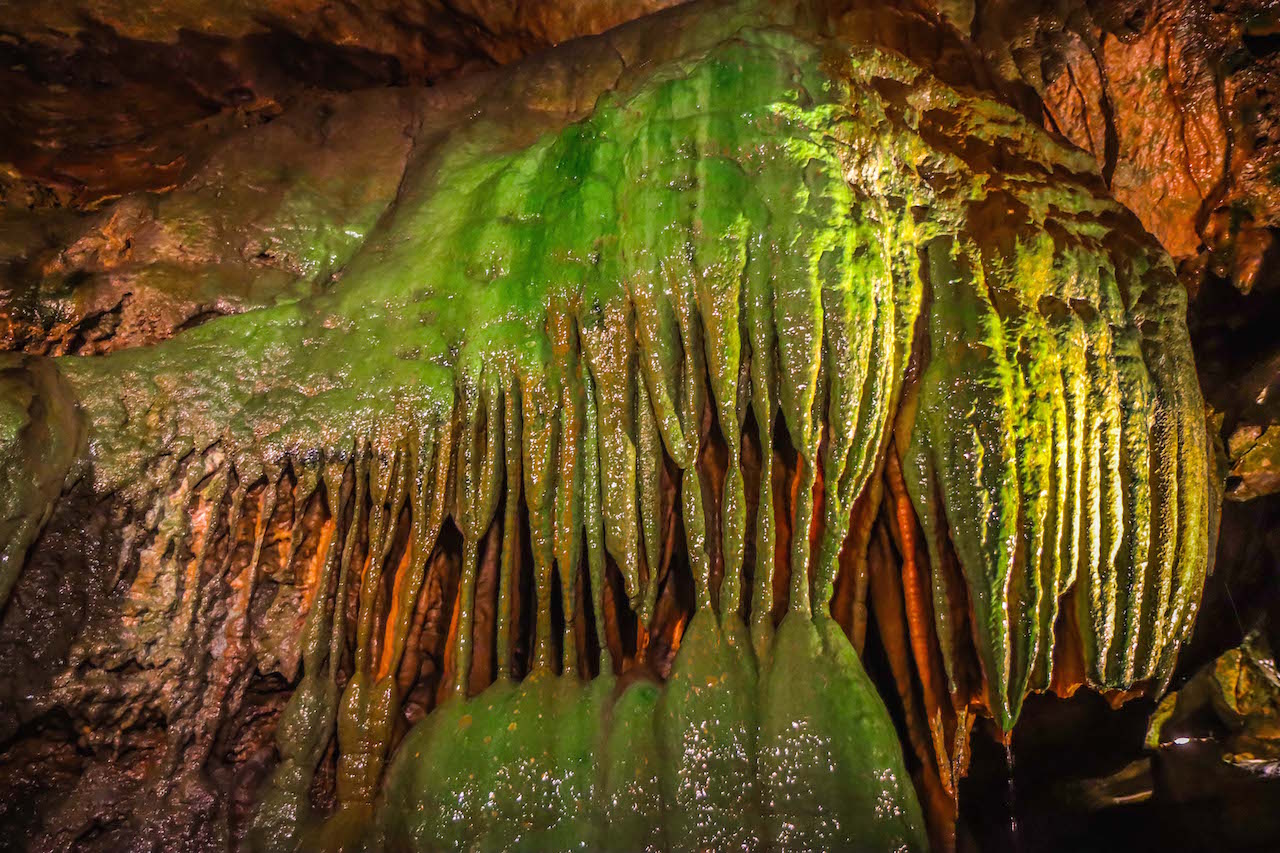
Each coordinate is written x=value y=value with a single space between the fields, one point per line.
x=1255 y=462
x=105 y=97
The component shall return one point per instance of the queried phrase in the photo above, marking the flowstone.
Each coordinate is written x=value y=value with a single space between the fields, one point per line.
x=759 y=267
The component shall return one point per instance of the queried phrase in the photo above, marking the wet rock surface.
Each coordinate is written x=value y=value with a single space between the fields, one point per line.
x=115 y=677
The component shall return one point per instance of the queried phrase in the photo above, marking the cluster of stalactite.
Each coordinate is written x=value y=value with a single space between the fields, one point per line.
x=784 y=335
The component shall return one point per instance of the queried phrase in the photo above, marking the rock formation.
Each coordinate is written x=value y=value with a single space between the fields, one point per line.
x=674 y=439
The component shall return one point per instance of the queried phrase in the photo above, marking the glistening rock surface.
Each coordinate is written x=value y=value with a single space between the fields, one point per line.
x=545 y=394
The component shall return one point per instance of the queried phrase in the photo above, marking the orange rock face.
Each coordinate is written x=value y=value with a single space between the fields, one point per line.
x=1157 y=95
x=1176 y=102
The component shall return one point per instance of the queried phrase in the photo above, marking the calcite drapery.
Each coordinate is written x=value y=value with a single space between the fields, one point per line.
x=750 y=234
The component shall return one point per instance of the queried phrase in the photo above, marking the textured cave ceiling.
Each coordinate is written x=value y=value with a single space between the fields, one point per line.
x=179 y=75
x=145 y=101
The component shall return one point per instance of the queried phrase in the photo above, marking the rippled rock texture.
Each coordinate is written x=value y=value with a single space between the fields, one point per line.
x=674 y=440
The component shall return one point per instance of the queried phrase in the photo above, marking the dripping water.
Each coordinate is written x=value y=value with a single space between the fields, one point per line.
x=1011 y=795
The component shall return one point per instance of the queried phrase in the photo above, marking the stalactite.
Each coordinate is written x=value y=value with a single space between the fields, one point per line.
x=893 y=625
x=306 y=724
x=649 y=460
x=538 y=404
x=512 y=447
x=568 y=499
x=917 y=603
